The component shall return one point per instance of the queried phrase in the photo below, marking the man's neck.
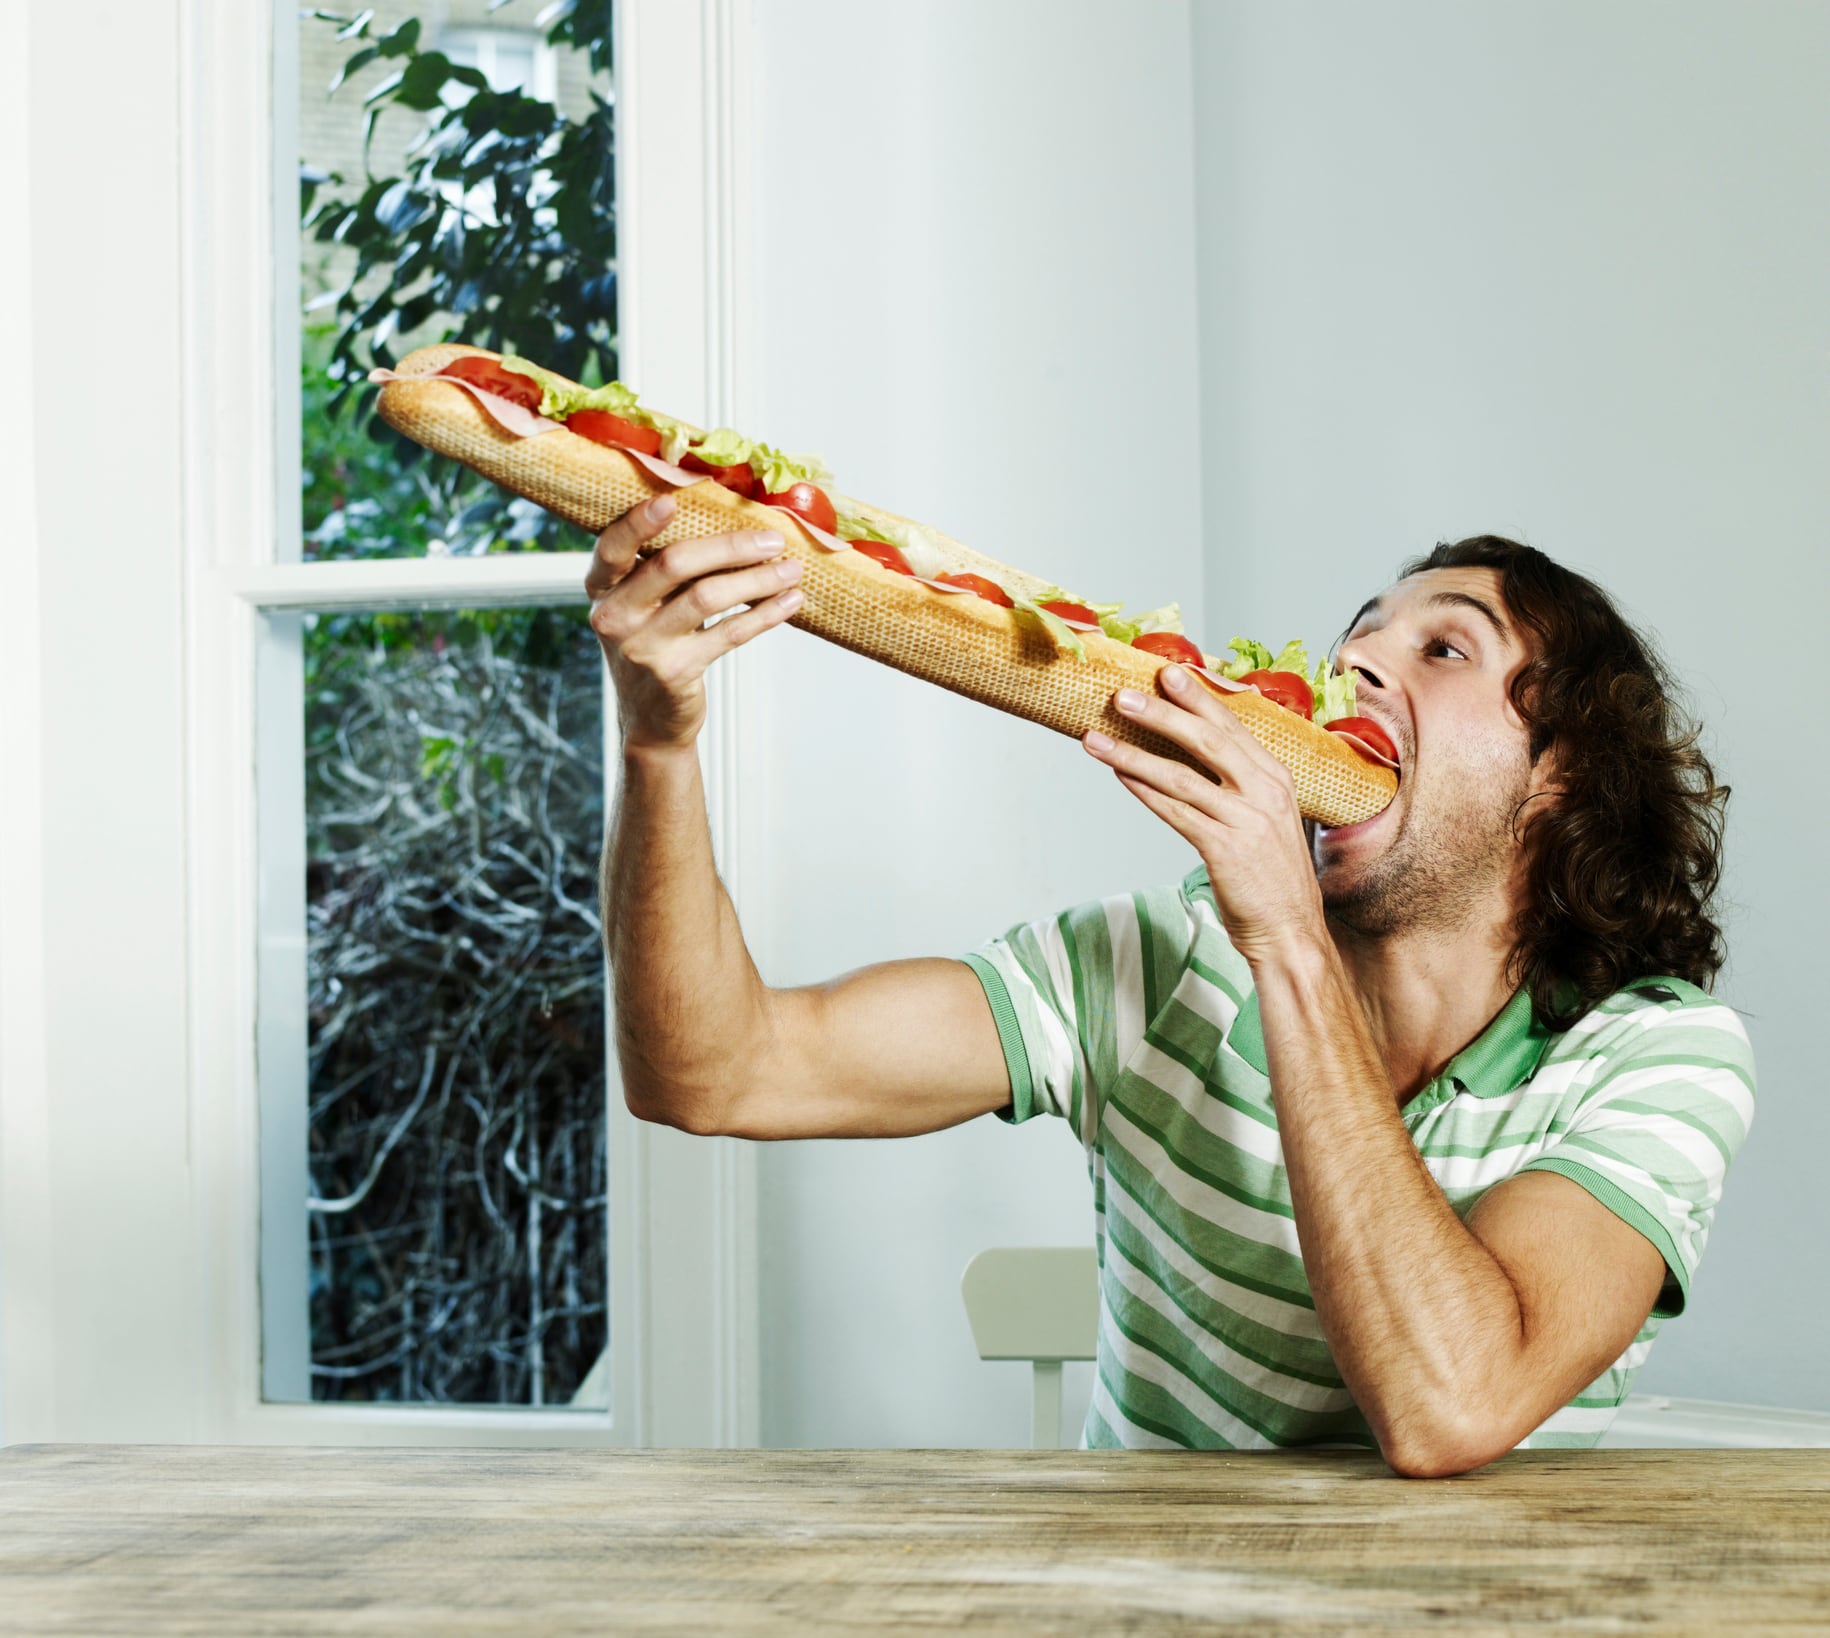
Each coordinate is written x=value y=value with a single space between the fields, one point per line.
x=1426 y=993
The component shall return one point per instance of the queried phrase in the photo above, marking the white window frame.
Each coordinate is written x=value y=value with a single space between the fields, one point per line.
x=682 y=1271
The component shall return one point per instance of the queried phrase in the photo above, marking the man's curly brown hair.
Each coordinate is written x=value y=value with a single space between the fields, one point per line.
x=1623 y=865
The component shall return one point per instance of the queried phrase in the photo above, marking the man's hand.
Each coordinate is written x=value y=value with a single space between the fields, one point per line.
x=1244 y=822
x=650 y=617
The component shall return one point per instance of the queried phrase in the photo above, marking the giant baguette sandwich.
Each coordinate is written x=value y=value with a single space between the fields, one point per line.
x=884 y=596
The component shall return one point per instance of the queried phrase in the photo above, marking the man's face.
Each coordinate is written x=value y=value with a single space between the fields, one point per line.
x=1436 y=655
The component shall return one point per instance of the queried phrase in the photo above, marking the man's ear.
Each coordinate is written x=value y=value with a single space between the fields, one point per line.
x=1544 y=792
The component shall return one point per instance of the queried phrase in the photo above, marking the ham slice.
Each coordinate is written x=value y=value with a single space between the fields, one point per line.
x=1226 y=685
x=505 y=412
x=1368 y=752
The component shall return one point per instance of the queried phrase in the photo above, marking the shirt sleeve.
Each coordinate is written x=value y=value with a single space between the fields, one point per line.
x=1652 y=1134
x=1071 y=994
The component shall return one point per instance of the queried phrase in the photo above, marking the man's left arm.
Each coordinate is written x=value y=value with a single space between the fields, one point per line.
x=1456 y=1340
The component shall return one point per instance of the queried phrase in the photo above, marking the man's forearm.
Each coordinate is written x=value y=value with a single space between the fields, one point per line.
x=689 y=1001
x=1423 y=1322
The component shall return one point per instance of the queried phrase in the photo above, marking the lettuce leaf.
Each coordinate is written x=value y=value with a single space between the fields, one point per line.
x=1058 y=594
x=557 y=398
x=723 y=446
x=778 y=471
x=1067 y=639
x=675 y=439
x=1252 y=657
x=614 y=397
x=1167 y=618
x=1292 y=657
x=853 y=527
x=1333 y=692
x=921 y=554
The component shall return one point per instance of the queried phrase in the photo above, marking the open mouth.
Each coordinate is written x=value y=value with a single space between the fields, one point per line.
x=1364 y=827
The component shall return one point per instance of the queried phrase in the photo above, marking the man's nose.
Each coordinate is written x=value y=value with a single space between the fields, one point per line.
x=1357 y=656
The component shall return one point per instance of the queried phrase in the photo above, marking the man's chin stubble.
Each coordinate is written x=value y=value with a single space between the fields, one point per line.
x=1413 y=886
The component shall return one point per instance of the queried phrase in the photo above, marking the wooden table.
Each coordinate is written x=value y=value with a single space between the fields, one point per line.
x=145 y=1539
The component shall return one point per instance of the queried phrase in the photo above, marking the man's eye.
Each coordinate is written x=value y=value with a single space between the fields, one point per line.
x=1442 y=643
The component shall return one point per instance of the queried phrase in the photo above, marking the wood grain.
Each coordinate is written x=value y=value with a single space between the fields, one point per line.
x=149 y=1540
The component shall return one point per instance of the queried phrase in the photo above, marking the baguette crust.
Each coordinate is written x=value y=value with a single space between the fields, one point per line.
x=964 y=643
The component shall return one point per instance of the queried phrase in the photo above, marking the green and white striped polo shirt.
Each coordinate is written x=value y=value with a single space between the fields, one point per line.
x=1135 y=1019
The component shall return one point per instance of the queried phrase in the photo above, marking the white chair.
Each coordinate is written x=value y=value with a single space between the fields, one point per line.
x=1039 y=1303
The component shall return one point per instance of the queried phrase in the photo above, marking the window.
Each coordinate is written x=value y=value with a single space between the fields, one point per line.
x=435 y=1123
x=178 y=1305
x=511 y=59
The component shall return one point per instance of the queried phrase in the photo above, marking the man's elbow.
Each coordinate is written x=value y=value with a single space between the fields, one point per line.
x=1441 y=1447
x=694 y=1113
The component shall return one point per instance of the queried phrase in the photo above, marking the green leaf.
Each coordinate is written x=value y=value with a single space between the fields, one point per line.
x=386 y=88
x=436 y=753
x=1334 y=694
x=1253 y=656
x=1167 y=618
x=403 y=41
x=356 y=28
x=777 y=471
x=723 y=446
x=1066 y=638
x=354 y=64
x=423 y=79
x=1292 y=657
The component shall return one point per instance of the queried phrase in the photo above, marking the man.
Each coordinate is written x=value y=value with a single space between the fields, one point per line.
x=1407 y=1132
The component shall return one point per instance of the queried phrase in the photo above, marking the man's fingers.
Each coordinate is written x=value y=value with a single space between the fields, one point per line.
x=1174 y=780
x=657 y=578
x=1198 y=697
x=737 y=629
x=617 y=546
x=1201 y=724
x=715 y=594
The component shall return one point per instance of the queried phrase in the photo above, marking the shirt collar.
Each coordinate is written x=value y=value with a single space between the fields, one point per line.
x=1504 y=1054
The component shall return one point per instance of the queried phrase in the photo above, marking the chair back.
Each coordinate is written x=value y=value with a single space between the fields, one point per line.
x=1039 y=1303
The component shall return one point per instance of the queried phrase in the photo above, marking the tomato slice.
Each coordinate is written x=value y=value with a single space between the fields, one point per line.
x=601 y=427
x=488 y=376
x=1072 y=611
x=738 y=478
x=1364 y=728
x=990 y=590
x=809 y=502
x=883 y=552
x=1169 y=645
x=1289 y=689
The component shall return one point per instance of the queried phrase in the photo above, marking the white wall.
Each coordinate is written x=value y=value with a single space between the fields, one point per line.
x=22 y=1041
x=997 y=264
x=1560 y=271
x=105 y=1005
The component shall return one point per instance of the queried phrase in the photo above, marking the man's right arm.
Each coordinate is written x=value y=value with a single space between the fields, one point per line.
x=889 y=1050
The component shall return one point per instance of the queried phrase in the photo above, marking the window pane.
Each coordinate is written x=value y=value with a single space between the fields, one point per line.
x=484 y=215
x=452 y=1057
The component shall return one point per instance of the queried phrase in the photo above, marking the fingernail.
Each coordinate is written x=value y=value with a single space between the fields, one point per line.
x=769 y=544
x=1098 y=741
x=1129 y=699
x=1175 y=676
x=661 y=508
